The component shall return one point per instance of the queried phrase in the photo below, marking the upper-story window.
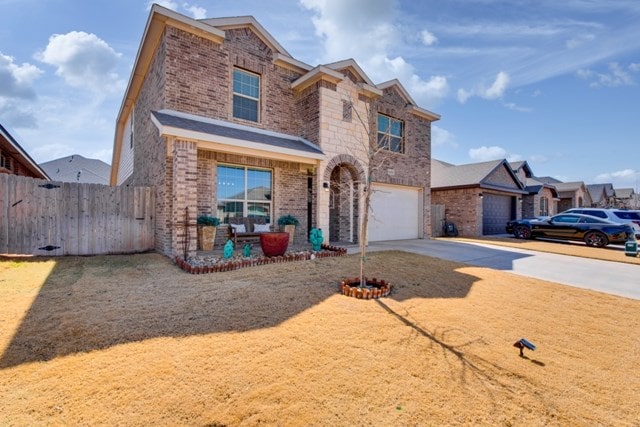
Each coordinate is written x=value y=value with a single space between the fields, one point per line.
x=390 y=134
x=246 y=95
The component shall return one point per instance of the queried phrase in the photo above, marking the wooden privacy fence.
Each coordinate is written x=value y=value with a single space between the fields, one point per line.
x=59 y=218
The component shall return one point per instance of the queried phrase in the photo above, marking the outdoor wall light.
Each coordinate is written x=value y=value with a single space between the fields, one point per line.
x=480 y=195
x=325 y=185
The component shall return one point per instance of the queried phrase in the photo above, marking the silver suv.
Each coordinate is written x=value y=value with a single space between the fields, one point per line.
x=616 y=215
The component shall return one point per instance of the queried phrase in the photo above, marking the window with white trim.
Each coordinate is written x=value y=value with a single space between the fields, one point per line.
x=244 y=192
x=246 y=95
x=390 y=134
x=544 y=206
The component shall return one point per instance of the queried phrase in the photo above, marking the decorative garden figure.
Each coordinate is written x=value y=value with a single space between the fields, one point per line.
x=246 y=250
x=228 y=249
x=316 y=239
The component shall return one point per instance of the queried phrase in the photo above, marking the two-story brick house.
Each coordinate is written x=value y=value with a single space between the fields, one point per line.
x=220 y=119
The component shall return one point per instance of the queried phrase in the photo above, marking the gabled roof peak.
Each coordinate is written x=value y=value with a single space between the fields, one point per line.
x=351 y=63
x=247 y=21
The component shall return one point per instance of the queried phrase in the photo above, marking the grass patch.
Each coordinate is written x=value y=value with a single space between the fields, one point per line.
x=134 y=340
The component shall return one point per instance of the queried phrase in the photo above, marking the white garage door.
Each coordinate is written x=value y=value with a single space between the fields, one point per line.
x=395 y=214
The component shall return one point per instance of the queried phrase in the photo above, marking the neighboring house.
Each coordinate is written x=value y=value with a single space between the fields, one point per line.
x=479 y=197
x=541 y=198
x=602 y=195
x=14 y=159
x=76 y=168
x=217 y=109
x=572 y=195
x=625 y=198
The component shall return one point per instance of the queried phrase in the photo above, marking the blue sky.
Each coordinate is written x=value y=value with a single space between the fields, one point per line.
x=555 y=83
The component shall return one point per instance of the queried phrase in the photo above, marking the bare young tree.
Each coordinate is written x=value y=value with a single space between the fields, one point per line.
x=372 y=146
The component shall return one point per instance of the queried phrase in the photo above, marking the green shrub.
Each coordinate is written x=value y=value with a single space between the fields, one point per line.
x=288 y=220
x=208 y=220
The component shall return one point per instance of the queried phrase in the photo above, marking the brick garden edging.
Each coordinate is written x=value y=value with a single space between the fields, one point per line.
x=237 y=263
x=374 y=289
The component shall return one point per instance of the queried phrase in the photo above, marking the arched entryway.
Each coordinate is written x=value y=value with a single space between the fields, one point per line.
x=344 y=175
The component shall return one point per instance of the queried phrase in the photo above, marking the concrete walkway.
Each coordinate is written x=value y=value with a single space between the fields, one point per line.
x=604 y=276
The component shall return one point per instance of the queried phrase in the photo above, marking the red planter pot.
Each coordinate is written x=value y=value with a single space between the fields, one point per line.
x=274 y=244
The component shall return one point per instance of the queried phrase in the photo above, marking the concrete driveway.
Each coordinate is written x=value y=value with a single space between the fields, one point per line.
x=605 y=276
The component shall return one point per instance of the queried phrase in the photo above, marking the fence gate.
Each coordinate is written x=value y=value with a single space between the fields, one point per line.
x=437 y=220
x=54 y=218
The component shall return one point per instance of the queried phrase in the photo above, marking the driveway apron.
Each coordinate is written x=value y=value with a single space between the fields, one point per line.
x=604 y=276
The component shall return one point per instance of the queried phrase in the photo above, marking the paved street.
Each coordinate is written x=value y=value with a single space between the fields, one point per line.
x=611 y=277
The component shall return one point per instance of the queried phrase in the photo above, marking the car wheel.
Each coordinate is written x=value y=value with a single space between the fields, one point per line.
x=522 y=232
x=596 y=239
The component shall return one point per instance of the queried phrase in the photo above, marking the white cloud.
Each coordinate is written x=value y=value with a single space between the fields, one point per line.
x=428 y=38
x=81 y=125
x=169 y=4
x=498 y=87
x=579 y=41
x=616 y=76
x=83 y=60
x=196 y=11
x=484 y=153
x=365 y=31
x=495 y=91
x=625 y=175
x=539 y=158
x=16 y=80
x=514 y=107
x=441 y=137
x=13 y=112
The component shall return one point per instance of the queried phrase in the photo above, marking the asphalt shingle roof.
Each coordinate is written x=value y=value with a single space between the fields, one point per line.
x=76 y=168
x=230 y=130
x=448 y=175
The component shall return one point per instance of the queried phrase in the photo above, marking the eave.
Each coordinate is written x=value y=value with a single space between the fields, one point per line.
x=159 y=18
x=317 y=74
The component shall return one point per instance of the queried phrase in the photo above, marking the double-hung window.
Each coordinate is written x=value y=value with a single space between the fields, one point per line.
x=244 y=192
x=246 y=95
x=390 y=134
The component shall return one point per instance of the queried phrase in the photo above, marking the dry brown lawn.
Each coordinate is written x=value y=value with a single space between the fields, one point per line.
x=132 y=340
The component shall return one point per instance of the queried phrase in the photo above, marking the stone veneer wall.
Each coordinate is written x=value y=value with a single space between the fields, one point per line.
x=339 y=136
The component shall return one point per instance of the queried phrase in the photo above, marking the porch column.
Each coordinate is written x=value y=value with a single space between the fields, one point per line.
x=185 y=198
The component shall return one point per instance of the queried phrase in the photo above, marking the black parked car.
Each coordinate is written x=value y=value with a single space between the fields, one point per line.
x=593 y=231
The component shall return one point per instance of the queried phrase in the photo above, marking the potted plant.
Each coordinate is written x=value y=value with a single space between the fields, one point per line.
x=289 y=222
x=207 y=226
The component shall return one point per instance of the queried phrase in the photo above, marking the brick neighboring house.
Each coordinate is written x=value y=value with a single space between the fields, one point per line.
x=572 y=195
x=479 y=197
x=602 y=195
x=625 y=198
x=541 y=198
x=220 y=119
x=14 y=160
